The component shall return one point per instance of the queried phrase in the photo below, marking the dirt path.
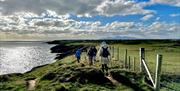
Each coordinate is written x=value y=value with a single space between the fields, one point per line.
x=115 y=82
x=31 y=84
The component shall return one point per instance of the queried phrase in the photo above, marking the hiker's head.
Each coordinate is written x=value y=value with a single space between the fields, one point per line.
x=103 y=44
x=93 y=46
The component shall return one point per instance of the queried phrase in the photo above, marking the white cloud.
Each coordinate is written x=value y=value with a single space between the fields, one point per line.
x=175 y=15
x=60 y=6
x=170 y=2
x=2 y=0
x=81 y=7
x=147 y=17
x=53 y=25
x=163 y=30
x=121 y=7
x=76 y=7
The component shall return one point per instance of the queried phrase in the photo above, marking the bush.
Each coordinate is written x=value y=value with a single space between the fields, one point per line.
x=49 y=76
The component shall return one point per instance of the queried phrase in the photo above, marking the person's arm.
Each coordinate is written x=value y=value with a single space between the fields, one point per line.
x=109 y=51
x=100 y=51
x=87 y=51
x=95 y=50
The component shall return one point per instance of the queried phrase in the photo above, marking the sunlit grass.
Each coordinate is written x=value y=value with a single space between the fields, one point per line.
x=170 y=65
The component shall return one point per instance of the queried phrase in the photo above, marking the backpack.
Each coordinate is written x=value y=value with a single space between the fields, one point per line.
x=94 y=51
x=90 y=52
x=78 y=53
x=105 y=52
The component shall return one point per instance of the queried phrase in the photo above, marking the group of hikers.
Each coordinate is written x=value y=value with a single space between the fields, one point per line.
x=92 y=52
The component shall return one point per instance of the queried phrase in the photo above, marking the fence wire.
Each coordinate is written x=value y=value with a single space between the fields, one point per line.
x=169 y=69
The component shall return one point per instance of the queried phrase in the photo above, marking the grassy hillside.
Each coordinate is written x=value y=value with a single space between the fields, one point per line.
x=67 y=75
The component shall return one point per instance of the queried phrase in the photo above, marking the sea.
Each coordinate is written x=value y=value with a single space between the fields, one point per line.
x=22 y=56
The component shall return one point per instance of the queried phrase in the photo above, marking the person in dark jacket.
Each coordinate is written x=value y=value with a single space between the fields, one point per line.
x=94 y=53
x=91 y=53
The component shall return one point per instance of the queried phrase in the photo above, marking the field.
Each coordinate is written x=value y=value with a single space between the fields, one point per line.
x=66 y=75
x=170 y=49
x=171 y=55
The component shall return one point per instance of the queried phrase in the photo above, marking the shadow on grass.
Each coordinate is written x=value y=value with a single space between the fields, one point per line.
x=81 y=75
x=129 y=79
x=170 y=82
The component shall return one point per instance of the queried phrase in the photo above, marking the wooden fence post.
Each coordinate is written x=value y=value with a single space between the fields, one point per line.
x=112 y=51
x=134 y=64
x=158 y=72
x=110 y=47
x=117 y=53
x=142 y=56
x=120 y=63
x=125 y=59
x=129 y=63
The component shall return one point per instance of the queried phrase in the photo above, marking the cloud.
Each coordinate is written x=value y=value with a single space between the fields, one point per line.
x=147 y=17
x=76 y=7
x=60 y=6
x=163 y=30
x=81 y=7
x=54 y=26
x=169 y=2
x=175 y=15
x=121 y=7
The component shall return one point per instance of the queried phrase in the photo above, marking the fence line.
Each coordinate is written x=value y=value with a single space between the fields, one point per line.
x=143 y=65
x=156 y=83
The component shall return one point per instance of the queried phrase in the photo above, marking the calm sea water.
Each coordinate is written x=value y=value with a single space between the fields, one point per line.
x=20 y=57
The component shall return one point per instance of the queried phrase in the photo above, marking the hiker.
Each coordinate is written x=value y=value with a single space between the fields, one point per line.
x=104 y=53
x=94 y=53
x=91 y=53
x=78 y=55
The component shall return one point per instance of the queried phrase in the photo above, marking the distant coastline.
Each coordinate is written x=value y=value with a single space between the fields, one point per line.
x=81 y=40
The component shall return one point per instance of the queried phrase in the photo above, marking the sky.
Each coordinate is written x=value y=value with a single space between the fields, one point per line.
x=89 y=19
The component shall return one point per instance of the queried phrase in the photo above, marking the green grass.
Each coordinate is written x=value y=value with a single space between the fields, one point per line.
x=170 y=66
x=171 y=55
x=170 y=62
x=61 y=68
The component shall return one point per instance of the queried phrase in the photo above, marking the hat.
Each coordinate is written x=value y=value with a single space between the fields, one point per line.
x=103 y=44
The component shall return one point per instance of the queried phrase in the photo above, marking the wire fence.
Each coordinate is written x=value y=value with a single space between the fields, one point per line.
x=129 y=59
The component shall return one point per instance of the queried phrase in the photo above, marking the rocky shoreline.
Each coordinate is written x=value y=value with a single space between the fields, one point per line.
x=65 y=50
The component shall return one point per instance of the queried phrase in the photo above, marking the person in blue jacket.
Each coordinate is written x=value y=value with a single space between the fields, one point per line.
x=78 y=55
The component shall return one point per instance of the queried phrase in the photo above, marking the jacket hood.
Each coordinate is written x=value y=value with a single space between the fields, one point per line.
x=103 y=44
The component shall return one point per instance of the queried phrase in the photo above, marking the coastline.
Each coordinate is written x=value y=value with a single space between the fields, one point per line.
x=66 y=75
x=61 y=51
x=65 y=66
